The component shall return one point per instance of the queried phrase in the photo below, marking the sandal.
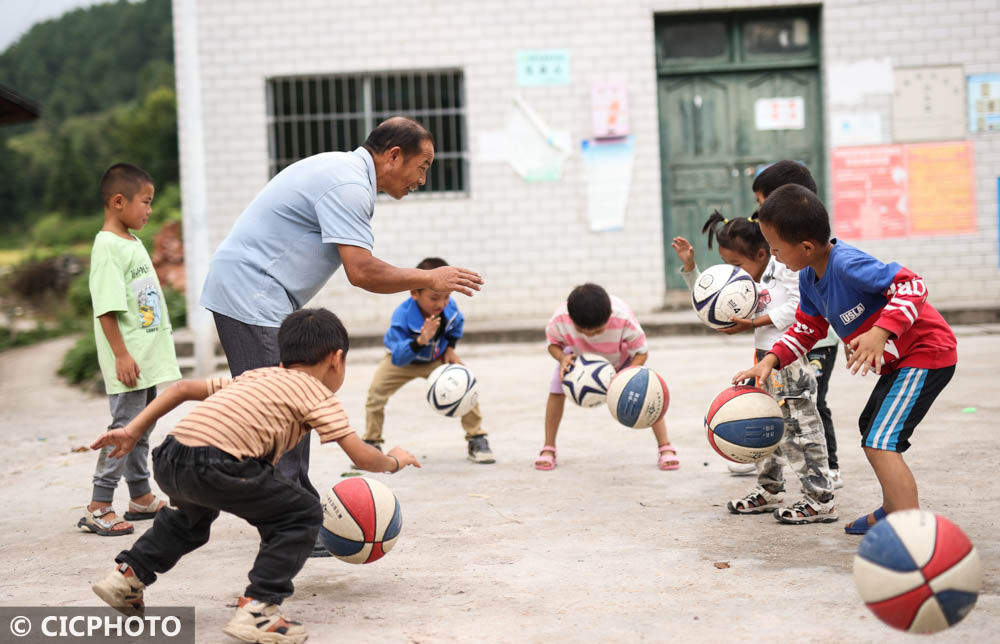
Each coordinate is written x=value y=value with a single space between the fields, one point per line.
x=138 y=512
x=807 y=510
x=93 y=522
x=546 y=460
x=758 y=501
x=668 y=458
x=860 y=525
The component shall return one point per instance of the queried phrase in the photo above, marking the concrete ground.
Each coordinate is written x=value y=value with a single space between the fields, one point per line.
x=605 y=548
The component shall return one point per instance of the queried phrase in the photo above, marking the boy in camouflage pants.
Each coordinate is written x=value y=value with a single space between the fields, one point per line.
x=803 y=446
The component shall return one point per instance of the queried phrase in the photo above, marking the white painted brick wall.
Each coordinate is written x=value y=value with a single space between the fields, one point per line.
x=531 y=240
x=958 y=269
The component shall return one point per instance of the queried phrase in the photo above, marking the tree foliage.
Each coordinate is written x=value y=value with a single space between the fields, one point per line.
x=89 y=59
x=104 y=78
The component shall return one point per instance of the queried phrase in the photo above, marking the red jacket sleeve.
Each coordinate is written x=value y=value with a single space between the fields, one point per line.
x=906 y=297
x=799 y=338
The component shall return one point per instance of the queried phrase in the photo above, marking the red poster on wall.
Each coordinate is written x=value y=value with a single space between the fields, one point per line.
x=869 y=192
x=899 y=190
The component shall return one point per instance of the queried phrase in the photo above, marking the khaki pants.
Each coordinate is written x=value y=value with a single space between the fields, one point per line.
x=387 y=380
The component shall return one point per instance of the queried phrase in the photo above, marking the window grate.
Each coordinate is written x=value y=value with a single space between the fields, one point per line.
x=312 y=114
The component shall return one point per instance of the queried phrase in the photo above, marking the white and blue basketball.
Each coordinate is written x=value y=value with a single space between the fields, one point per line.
x=586 y=383
x=918 y=572
x=724 y=292
x=452 y=390
x=744 y=424
x=361 y=520
x=638 y=397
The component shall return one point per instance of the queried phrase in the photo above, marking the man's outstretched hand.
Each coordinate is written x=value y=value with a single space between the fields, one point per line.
x=453 y=278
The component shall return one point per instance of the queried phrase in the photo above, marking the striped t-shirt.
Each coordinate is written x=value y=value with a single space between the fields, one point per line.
x=263 y=413
x=621 y=338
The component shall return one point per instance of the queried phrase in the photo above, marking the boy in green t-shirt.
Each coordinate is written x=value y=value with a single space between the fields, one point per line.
x=135 y=347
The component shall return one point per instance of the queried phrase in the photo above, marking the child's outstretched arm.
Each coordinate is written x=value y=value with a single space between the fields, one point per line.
x=125 y=438
x=368 y=458
x=760 y=371
x=685 y=251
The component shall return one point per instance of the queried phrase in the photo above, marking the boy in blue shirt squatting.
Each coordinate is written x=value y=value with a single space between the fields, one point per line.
x=421 y=337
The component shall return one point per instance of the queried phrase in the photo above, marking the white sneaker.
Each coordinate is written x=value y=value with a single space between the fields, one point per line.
x=836 y=479
x=256 y=621
x=742 y=469
x=807 y=510
x=121 y=589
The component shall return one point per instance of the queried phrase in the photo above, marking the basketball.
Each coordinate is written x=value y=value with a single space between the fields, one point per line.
x=638 y=397
x=586 y=383
x=724 y=292
x=452 y=390
x=918 y=572
x=361 y=520
x=744 y=424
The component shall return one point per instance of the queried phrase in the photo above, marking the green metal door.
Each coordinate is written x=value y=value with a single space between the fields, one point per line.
x=713 y=136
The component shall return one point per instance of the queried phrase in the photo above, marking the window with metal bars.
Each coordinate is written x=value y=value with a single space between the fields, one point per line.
x=312 y=114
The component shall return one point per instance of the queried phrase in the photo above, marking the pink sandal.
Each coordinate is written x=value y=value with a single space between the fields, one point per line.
x=546 y=459
x=668 y=458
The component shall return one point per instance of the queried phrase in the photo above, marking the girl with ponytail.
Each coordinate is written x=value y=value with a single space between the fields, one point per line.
x=741 y=244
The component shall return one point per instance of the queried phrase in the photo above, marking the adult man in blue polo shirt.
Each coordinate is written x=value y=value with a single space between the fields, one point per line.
x=311 y=218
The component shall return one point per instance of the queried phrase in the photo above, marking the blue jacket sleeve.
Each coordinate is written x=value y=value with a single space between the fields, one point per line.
x=456 y=332
x=398 y=340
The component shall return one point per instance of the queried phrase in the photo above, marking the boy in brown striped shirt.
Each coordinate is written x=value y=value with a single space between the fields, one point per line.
x=221 y=457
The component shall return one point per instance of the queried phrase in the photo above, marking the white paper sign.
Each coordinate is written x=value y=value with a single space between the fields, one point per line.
x=849 y=82
x=787 y=113
x=608 y=171
x=855 y=128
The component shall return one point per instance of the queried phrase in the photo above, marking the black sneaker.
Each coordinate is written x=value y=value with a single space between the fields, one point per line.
x=376 y=445
x=479 y=450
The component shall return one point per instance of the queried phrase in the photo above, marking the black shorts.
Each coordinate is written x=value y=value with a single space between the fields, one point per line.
x=898 y=404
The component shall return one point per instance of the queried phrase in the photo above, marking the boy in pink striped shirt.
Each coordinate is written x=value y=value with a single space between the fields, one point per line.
x=591 y=321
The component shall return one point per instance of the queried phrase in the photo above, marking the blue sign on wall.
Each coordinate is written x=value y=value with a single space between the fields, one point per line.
x=984 y=103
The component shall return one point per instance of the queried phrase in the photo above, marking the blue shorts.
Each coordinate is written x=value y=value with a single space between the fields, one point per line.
x=898 y=404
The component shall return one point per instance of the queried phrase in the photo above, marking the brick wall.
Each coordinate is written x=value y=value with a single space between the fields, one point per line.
x=531 y=240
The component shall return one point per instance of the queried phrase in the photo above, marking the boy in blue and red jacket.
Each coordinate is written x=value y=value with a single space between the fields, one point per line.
x=881 y=312
x=422 y=337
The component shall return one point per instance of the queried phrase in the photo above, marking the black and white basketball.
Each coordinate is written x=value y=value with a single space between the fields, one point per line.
x=452 y=390
x=724 y=292
x=586 y=383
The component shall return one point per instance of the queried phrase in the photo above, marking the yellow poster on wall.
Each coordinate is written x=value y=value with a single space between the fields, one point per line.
x=941 y=187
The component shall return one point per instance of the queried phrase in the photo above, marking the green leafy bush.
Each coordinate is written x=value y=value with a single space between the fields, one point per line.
x=176 y=306
x=78 y=297
x=80 y=363
x=57 y=230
